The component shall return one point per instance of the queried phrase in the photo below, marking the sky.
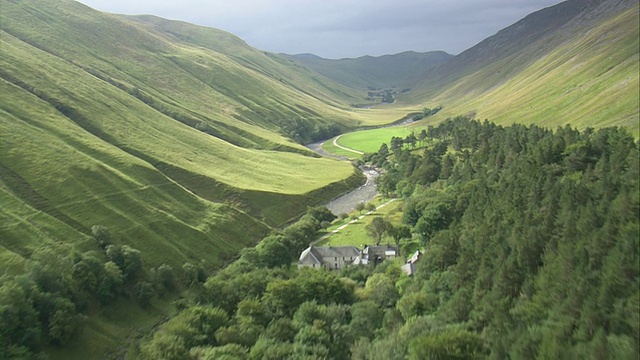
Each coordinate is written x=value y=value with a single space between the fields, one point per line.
x=342 y=28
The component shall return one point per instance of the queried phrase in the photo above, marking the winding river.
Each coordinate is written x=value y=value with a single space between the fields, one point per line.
x=363 y=194
x=346 y=203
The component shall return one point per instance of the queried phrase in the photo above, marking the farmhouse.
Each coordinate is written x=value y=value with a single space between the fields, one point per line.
x=410 y=267
x=330 y=257
x=339 y=257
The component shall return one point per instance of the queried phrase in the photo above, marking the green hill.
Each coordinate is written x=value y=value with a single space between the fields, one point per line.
x=171 y=135
x=184 y=142
x=574 y=63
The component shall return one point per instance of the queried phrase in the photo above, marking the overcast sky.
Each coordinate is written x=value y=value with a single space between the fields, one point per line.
x=342 y=28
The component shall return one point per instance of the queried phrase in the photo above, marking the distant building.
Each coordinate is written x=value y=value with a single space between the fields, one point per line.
x=410 y=267
x=339 y=257
x=329 y=257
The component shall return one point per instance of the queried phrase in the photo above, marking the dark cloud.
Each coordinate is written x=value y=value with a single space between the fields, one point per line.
x=338 y=28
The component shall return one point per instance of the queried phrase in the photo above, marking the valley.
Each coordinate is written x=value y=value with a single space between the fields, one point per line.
x=157 y=176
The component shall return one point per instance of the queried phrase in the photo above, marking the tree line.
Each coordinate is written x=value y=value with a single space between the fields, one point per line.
x=531 y=236
x=48 y=303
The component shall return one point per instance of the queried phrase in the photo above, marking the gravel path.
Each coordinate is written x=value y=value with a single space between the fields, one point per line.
x=317 y=148
x=335 y=143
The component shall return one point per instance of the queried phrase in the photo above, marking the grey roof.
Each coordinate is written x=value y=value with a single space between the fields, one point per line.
x=336 y=251
x=315 y=254
x=308 y=257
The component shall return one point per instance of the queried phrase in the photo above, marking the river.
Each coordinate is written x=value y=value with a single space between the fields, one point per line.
x=346 y=203
x=363 y=194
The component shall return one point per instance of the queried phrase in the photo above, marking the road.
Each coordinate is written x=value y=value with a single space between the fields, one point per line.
x=335 y=143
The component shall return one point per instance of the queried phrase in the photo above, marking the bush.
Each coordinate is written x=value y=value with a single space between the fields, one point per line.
x=144 y=293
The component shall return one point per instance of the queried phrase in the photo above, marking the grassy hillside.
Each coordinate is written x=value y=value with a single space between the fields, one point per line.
x=188 y=81
x=182 y=141
x=271 y=65
x=186 y=143
x=174 y=145
x=578 y=66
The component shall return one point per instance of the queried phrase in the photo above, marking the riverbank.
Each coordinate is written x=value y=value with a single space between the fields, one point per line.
x=347 y=202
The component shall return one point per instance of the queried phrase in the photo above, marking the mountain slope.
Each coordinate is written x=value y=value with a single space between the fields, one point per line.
x=368 y=72
x=106 y=121
x=270 y=65
x=135 y=56
x=574 y=63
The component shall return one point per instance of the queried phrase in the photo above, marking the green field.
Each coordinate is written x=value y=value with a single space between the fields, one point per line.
x=369 y=141
x=334 y=150
x=356 y=235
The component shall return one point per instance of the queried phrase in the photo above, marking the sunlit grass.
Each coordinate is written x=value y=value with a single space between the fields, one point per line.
x=355 y=233
x=573 y=84
x=334 y=150
x=383 y=114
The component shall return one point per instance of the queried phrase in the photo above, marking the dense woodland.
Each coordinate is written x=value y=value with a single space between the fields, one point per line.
x=531 y=245
x=531 y=237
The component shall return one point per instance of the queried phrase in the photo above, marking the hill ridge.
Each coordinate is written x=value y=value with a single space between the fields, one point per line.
x=367 y=72
x=492 y=80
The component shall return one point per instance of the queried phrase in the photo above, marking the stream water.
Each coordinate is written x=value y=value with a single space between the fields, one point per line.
x=345 y=203
x=363 y=194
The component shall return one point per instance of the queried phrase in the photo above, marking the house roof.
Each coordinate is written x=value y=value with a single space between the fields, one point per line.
x=336 y=251
x=316 y=254
x=308 y=257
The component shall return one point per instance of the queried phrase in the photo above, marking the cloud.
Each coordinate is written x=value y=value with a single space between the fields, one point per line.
x=338 y=28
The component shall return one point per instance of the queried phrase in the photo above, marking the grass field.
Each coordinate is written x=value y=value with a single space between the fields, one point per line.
x=369 y=141
x=355 y=233
x=334 y=150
